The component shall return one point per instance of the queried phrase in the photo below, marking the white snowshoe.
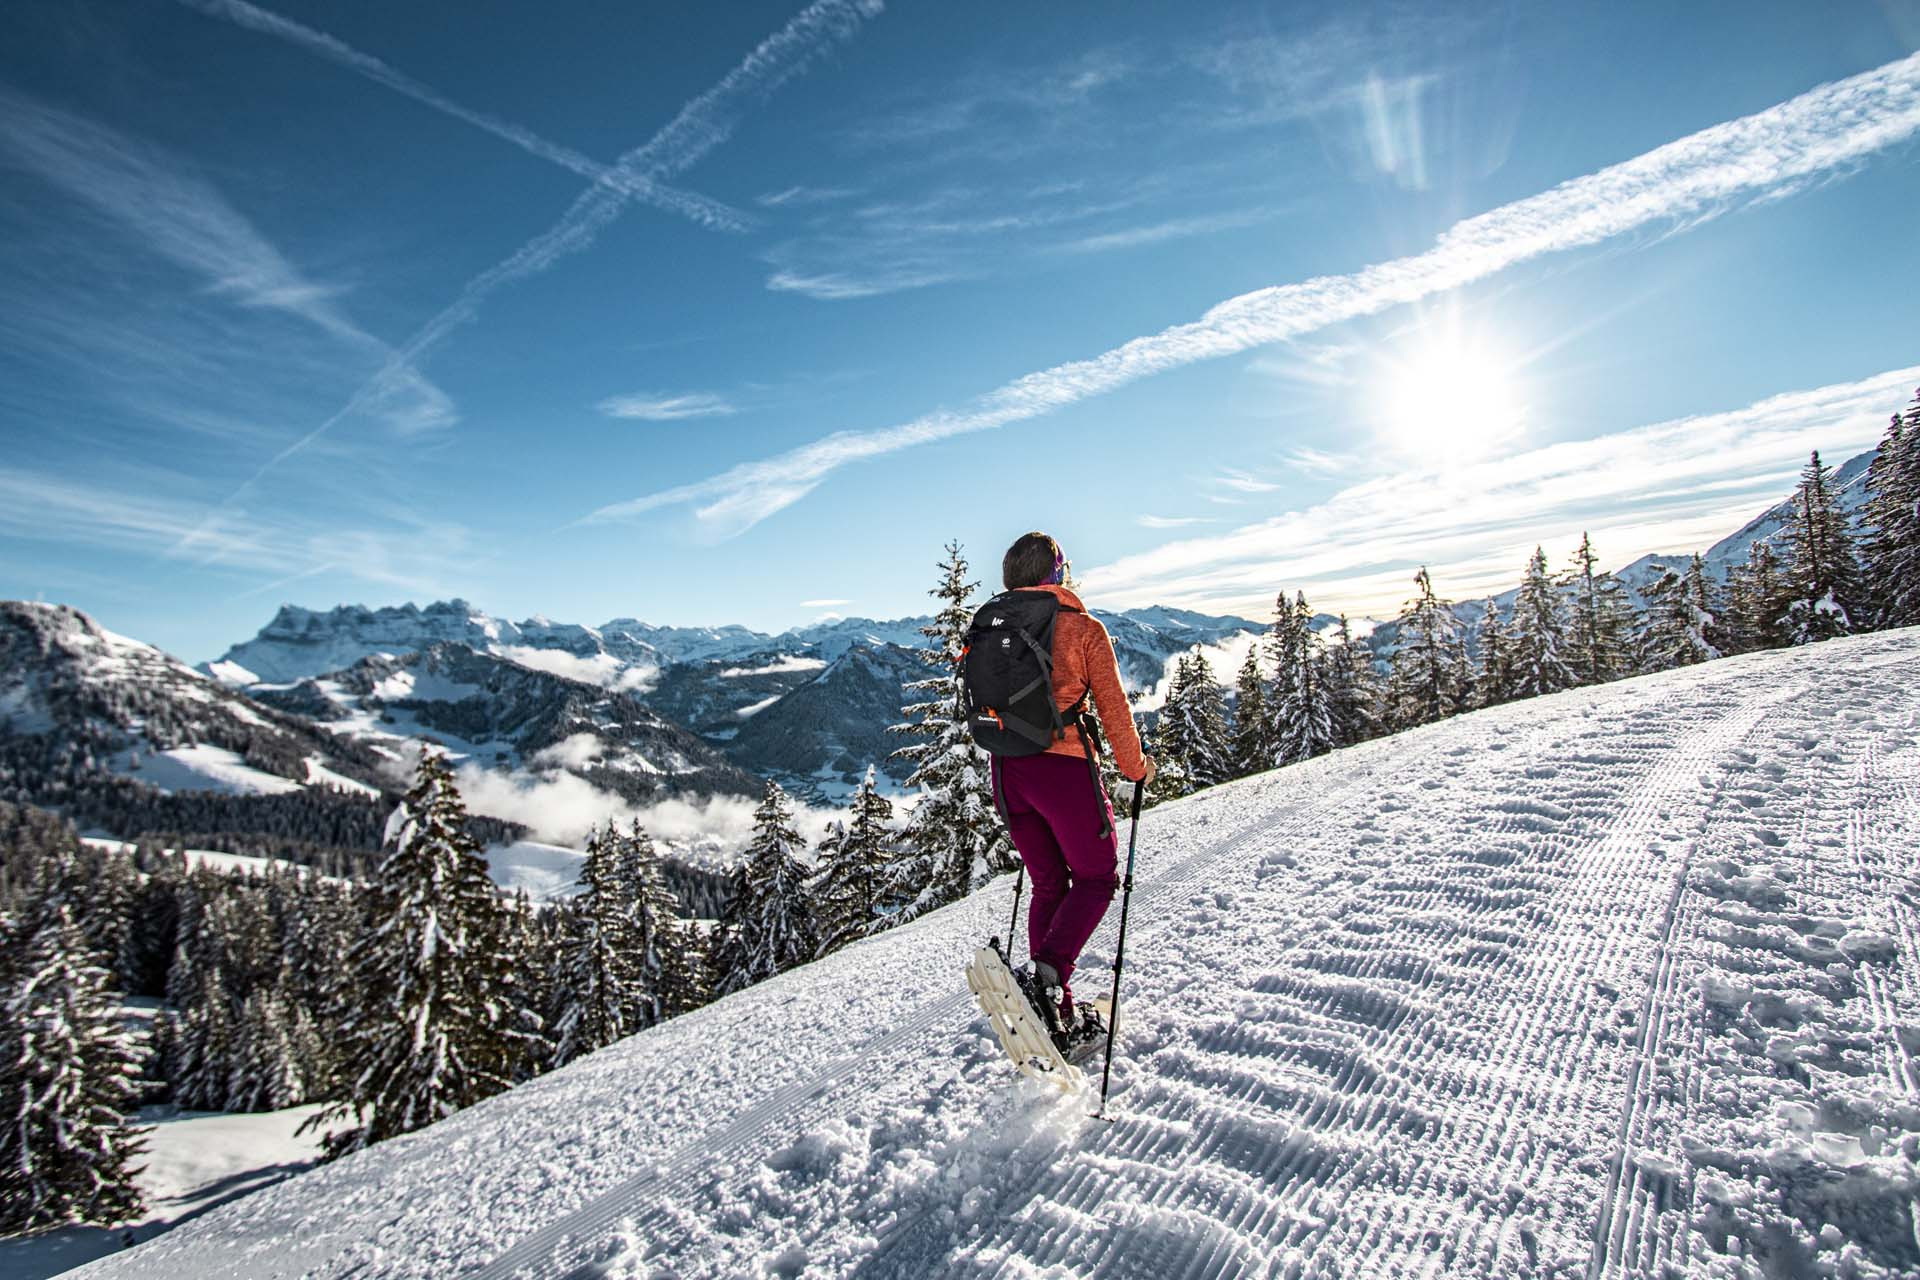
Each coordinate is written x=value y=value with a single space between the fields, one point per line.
x=1022 y=1030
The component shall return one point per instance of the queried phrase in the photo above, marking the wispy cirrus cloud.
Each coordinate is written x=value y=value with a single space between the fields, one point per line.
x=703 y=123
x=1766 y=155
x=804 y=195
x=132 y=513
x=176 y=216
x=1171 y=229
x=1474 y=526
x=698 y=208
x=654 y=407
x=823 y=604
x=1172 y=522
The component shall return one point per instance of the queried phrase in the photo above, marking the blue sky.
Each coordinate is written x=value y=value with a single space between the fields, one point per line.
x=736 y=313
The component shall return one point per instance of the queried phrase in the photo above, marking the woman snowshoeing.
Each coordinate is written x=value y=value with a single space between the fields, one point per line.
x=1059 y=816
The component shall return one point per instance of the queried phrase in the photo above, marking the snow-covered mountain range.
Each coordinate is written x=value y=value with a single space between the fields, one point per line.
x=810 y=706
x=1615 y=982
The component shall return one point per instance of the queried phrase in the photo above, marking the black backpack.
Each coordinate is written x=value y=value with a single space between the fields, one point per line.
x=1006 y=681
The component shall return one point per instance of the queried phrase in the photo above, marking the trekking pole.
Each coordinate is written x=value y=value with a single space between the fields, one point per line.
x=1120 y=952
x=1019 y=879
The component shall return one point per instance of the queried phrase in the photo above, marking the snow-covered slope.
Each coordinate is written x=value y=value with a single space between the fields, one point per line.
x=1622 y=982
x=74 y=695
x=498 y=712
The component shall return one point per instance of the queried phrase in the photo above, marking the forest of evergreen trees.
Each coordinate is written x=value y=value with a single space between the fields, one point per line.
x=412 y=987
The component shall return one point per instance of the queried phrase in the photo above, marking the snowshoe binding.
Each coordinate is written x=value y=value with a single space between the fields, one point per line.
x=1017 y=1009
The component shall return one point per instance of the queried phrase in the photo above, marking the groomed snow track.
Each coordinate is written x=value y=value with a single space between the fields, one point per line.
x=1619 y=983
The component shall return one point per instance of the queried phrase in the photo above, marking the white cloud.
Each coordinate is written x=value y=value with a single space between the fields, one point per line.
x=1681 y=184
x=601 y=669
x=1173 y=229
x=1171 y=522
x=563 y=808
x=651 y=407
x=574 y=752
x=1475 y=525
x=1241 y=482
x=822 y=604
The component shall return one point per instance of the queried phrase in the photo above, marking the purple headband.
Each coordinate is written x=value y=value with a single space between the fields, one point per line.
x=1059 y=567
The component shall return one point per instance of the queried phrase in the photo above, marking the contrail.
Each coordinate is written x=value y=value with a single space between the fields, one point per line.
x=698 y=208
x=701 y=125
x=1772 y=153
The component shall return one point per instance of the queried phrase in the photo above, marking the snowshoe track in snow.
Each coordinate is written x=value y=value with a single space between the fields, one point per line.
x=1620 y=983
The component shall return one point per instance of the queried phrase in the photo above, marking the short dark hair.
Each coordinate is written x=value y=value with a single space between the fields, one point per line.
x=1029 y=561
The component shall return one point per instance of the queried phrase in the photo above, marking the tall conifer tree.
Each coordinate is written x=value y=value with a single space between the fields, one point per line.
x=1252 y=721
x=1601 y=622
x=1353 y=687
x=67 y=1078
x=1827 y=598
x=1192 y=729
x=435 y=1027
x=1493 y=684
x=953 y=838
x=1892 y=550
x=1302 y=708
x=1425 y=683
x=770 y=921
x=853 y=863
x=1539 y=661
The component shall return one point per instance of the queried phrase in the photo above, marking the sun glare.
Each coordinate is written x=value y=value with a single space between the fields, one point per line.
x=1450 y=400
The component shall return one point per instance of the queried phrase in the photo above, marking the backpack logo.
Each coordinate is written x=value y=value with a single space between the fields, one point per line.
x=996 y=622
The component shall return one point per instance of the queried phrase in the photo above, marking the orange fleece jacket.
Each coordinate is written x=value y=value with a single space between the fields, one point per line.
x=1083 y=659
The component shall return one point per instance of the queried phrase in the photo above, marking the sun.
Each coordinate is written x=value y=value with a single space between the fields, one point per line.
x=1450 y=398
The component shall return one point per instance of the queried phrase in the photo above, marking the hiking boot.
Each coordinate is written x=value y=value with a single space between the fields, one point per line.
x=1042 y=997
x=1084 y=1035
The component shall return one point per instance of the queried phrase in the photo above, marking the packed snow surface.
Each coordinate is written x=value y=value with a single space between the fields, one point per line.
x=1622 y=982
x=194 y=1160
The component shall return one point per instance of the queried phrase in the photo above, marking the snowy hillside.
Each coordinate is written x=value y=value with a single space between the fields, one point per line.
x=1850 y=489
x=1620 y=982
x=495 y=712
x=76 y=695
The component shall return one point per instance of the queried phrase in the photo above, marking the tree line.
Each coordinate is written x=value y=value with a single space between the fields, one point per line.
x=1302 y=692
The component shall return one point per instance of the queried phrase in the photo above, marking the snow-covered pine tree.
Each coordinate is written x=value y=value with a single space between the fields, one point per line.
x=1892 y=515
x=1493 y=684
x=1170 y=780
x=1601 y=622
x=532 y=945
x=655 y=910
x=1302 y=707
x=200 y=1036
x=770 y=920
x=1353 y=687
x=1677 y=621
x=1424 y=684
x=684 y=984
x=853 y=858
x=435 y=1027
x=1539 y=634
x=1192 y=728
x=953 y=839
x=264 y=1075
x=1757 y=602
x=598 y=977
x=1826 y=597
x=1252 y=721
x=67 y=1079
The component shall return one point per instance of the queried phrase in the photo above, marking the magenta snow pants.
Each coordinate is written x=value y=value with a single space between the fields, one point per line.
x=1053 y=813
